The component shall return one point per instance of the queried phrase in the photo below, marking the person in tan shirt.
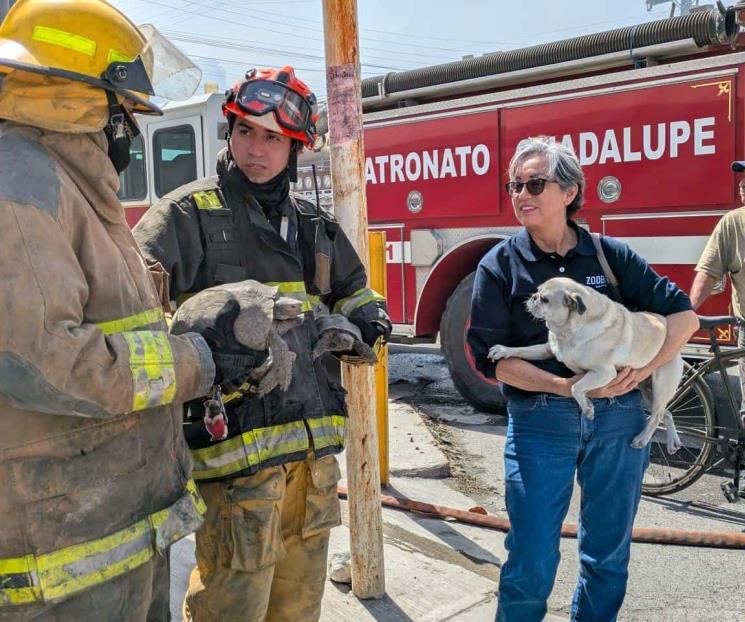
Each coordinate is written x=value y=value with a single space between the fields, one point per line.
x=724 y=256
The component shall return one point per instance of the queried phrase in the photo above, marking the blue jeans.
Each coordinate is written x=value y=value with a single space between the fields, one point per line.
x=548 y=441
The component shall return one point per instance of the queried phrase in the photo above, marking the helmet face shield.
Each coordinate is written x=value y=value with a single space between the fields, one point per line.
x=292 y=110
x=172 y=74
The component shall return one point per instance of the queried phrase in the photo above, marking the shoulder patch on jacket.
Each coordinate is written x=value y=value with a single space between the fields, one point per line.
x=187 y=190
x=207 y=199
x=27 y=174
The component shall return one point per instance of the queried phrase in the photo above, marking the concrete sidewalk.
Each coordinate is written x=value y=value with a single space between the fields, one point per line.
x=436 y=570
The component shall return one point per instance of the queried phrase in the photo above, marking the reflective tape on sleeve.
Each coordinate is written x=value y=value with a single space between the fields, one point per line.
x=153 y=372
x=57 y=575
x=361 y=297
x=132 y=322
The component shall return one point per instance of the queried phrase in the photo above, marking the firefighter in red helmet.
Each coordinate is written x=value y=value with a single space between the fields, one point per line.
x=270 y=483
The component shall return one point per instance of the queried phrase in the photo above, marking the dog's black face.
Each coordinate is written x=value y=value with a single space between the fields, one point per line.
x=556 y=302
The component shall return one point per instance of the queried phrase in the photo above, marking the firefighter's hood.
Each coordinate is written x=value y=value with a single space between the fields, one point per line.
x=48 y=102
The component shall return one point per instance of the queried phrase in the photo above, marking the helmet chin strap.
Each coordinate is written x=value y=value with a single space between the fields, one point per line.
x=292 y=164
x=120 y=130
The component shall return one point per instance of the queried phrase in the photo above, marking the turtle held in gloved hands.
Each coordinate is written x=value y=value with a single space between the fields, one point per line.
x=337 y=334
x=243 y=323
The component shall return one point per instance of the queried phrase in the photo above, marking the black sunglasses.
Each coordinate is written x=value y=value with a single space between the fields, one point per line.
x=535 y=186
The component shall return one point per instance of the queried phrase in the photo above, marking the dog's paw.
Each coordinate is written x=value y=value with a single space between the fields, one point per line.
x=498 y=352
x=588 y=411
x=673 y=442
x=640 y=441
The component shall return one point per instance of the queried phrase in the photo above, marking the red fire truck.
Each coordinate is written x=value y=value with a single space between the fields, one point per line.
x=655 y=114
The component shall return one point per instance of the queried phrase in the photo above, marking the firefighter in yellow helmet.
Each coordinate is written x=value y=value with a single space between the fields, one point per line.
x=94 y=471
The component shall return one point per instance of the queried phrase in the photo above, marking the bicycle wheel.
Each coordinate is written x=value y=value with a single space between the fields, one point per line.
x=693 y=411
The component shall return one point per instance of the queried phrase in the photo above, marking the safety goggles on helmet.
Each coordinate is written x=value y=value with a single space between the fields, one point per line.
x=292 y=111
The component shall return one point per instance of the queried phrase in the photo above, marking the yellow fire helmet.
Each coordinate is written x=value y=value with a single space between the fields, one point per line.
x=58 y=58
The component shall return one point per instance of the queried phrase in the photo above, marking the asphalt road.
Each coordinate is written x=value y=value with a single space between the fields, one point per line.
x=667 y=583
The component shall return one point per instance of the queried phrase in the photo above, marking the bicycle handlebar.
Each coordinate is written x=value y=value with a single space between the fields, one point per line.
x=709 y=322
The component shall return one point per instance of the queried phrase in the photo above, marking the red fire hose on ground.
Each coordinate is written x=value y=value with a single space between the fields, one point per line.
x=480 y=518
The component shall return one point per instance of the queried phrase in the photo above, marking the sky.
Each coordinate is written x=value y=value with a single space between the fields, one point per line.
x=227 y=37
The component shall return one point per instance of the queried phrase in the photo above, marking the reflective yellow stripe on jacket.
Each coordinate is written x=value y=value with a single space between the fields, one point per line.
x=60 y=574
x=359 y=298
x=260 y=445
x=132 y=322
x=328 y=431
x=150 y=357
x=296 y=290
x=153 y=372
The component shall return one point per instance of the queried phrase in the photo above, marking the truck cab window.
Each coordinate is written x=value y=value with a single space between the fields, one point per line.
x=175 y=158
x=133 y=181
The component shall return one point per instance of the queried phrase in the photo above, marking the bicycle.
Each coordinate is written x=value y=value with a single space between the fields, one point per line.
x=708 y=444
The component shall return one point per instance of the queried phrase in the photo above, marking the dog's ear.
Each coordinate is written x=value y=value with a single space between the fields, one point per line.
x=575 y=303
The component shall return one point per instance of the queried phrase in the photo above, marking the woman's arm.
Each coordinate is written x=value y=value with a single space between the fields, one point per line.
x=645 y=290
x=680 y=328
x=524 y=375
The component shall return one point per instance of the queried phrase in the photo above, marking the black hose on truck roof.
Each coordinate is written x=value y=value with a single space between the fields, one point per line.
x=712 y=27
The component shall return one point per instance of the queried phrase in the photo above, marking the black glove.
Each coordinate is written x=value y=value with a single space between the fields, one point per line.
x=375 y=333
x=233 y=361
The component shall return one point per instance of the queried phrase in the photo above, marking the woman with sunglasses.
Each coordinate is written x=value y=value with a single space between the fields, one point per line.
x=267 y=467
x=548 y=440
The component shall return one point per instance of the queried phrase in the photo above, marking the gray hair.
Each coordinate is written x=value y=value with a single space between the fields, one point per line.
x=563 y=165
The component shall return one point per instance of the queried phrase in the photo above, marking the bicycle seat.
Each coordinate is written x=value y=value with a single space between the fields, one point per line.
x=709 y=322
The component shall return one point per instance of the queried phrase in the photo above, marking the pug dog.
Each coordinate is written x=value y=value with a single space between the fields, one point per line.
x=590 y=333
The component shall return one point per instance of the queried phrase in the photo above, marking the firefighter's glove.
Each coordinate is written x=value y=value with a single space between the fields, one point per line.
x=338 y=335
x=233 y=360
x=375 y=331
x=242 y=323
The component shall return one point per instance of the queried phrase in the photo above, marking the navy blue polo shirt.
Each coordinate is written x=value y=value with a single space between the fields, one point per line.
x=512 y=271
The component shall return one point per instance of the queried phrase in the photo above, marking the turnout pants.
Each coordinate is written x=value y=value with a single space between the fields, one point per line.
x=261 y=553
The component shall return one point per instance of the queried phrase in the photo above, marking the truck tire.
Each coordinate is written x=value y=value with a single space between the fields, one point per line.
x=477 y=391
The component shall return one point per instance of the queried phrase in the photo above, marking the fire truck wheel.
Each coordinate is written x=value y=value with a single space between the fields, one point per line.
x=482 y=395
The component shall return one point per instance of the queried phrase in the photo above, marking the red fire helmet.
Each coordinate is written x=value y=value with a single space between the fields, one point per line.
x=292 y=104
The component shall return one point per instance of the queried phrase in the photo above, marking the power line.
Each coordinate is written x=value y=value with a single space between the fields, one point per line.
x=235 y=45
x=643 y=17
x=222 y=20
x=400 y=56
x=247 y=65
x=303 y=23
x=295 y=35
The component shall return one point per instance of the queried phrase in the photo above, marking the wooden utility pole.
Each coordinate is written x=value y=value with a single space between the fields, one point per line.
x=347 y=169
